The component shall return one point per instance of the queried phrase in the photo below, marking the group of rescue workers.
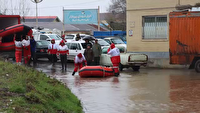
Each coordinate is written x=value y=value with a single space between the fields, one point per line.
x=90 y=57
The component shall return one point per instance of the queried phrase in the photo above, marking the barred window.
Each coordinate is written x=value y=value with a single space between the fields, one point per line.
x=155 y=27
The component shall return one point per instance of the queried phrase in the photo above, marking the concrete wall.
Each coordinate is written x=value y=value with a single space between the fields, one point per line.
x=136 y=9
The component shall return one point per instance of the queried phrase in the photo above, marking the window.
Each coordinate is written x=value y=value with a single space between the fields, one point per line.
x=56 y=37
x=107 y=40
x=103 y=43
x=78 y=47
x=68 y=44
x=117 y=41
x=155 y=27
x=73 y=46
x=69 y=37
x=43 y=37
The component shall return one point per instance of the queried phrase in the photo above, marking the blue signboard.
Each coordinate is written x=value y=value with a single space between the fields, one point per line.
x=85 y=16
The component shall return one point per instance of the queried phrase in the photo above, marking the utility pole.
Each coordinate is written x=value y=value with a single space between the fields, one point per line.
x=36 y=2
x=63 y=22
x=99 y=19
x=179 y=2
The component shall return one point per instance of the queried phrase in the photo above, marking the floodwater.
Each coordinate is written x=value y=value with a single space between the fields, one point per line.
x=147 y=91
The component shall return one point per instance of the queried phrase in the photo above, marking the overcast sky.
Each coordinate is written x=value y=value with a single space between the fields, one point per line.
x=55 y=7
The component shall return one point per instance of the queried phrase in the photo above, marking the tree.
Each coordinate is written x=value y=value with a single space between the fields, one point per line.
x=118 y=10
x=14 y=7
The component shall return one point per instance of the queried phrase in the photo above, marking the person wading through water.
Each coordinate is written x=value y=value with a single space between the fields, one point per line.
x=115 y=58
x=78 y=62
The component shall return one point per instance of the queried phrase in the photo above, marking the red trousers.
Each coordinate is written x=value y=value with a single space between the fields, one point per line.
x=18 y=56
x=115 y=61
x=27 y=54
x=77 y=65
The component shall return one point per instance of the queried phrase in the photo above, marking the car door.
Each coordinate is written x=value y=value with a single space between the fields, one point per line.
x=105 y=58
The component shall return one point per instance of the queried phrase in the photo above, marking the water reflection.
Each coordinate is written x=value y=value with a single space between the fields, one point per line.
x=150 y=90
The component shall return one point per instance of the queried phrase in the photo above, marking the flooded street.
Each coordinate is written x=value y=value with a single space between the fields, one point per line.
x=150 y=90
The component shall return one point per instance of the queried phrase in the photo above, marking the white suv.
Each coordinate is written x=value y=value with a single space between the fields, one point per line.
x=75 y=47
x=48 y=37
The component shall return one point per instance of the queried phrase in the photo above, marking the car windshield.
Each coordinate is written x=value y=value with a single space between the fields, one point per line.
x=56 y=37
x=117 y=41
x=103 y=43
x=69 y=37
x=42 y=43
x=123 y=38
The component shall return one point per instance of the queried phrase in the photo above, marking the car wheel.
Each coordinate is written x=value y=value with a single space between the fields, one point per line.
x=121 y=67
x=136 y=68
x=197 y=66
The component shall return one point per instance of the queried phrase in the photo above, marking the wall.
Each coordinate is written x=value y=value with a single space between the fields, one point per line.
x=136 y=9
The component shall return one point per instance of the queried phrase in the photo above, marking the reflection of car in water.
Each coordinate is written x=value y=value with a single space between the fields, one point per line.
x=41 y=49
x=117 y=41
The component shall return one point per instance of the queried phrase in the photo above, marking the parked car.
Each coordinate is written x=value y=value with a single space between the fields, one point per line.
x=41 y=49
x=48 y=37
x=103 y=43
x=75 y=47
x=133 y=60
x=72 y=37
x=117 y=41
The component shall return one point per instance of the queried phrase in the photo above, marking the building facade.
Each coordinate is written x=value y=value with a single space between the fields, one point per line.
x=148 y=27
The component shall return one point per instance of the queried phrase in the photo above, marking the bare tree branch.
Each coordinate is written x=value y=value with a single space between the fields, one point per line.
x=16 y=7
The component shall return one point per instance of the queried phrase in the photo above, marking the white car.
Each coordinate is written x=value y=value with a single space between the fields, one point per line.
x=133 y=60
x=117 y=41
x=48 y=37
x=75 y=47
x=72 y=37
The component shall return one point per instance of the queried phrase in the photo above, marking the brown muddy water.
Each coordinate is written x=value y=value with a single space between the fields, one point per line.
x=147 y=91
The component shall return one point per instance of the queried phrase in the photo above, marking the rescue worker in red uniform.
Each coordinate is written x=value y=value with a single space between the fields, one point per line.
x=52 y=50
x=78 y=62
x=18 y=50
x=63 y=38
x=115 y=58
x=63 y=51
x=26 y=49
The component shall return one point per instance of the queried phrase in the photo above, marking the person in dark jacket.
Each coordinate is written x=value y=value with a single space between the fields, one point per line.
x=33 y=48
x=97 y=52
x=89 y=56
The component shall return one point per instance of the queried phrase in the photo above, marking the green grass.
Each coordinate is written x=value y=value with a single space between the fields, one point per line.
x=24 y=89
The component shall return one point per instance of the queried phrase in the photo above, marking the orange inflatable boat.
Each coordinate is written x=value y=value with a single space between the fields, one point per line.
x=7 y=35
x=96 y=71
